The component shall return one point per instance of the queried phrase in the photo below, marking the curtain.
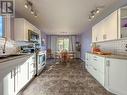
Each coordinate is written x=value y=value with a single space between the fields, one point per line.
x=52 y=42
x=72 y=41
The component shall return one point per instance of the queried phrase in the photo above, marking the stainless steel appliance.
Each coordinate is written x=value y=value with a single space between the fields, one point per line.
x=32 y=36
x=41 y=61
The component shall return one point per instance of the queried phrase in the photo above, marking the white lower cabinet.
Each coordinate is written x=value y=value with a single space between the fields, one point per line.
x=116 y=70
x=109 y=72
x=95 y=66
x=9 y=84
x=19 y=77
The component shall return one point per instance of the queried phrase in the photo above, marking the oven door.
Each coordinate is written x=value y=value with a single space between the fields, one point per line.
x=41 y=59
x=41 y=63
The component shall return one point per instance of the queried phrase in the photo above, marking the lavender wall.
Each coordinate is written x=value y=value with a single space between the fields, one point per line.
x=86 y=39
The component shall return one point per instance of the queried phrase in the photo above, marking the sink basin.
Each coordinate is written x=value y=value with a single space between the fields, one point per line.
x=11 y=55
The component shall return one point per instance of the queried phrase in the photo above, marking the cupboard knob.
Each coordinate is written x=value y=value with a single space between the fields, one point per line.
x=108 y=63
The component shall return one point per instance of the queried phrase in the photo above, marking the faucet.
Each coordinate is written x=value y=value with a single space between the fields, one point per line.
x=4 y=47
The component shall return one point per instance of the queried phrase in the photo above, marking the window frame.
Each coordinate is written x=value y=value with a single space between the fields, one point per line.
x=3 y=25
x=63 y=41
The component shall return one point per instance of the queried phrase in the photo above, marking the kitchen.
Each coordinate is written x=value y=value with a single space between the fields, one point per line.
x=43 y=47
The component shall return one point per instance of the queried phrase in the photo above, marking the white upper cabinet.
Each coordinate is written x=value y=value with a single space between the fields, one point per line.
x=107 y=29
x=111 y=27
x=21 y=27
x=97 y=32
x=123 y=22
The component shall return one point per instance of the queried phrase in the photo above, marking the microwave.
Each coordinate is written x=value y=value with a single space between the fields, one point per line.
x=32 y=36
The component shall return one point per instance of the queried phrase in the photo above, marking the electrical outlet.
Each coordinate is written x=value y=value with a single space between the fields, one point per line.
x=126 y=47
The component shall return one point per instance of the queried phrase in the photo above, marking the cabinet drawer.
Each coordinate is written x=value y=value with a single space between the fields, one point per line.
x=98 y=63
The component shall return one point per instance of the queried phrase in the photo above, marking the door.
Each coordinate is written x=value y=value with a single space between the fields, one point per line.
x=116 y=70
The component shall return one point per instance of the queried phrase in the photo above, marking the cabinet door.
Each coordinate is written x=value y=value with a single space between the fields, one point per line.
x=9 y=84
x=94 y=33
x=111 y=26
x=24 y=74
x=19 y=29
x=32 y=67
x=100 y=31
x=97 y=32
x=117 y=76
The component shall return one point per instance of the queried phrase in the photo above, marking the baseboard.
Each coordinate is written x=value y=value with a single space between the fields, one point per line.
x=82 y=59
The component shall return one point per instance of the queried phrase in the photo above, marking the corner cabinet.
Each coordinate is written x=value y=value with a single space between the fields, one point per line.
x=21 y=27
x=107 y=29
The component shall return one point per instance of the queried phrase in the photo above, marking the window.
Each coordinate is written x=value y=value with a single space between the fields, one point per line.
x=63 y=44
x=1 y=27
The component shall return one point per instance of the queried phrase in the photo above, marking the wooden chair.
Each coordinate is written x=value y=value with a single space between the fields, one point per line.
x=71 y=56
x=49 y=53
x=64 y=56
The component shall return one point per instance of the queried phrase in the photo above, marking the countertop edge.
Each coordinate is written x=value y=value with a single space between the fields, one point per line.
x=111 y=56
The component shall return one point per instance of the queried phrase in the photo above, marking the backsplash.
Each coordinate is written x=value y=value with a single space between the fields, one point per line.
x=116 y=46
x=10 y=47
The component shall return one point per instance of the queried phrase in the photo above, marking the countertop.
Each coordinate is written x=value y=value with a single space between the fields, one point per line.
x=14 y=57
x=124 y=57
x=7 y=64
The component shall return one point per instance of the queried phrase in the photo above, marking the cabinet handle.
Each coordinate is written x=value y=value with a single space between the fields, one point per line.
x=28 y=71
x=104 y=36
x=95 y=69
x=108 y=63
x=95 y=59
x=96 y=38
x=11 y=74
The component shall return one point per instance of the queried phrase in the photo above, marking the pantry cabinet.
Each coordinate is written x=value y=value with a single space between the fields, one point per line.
x=19 y=77
x=107 y=29
x=21 y=28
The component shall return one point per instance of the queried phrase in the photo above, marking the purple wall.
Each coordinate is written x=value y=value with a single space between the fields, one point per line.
x=86 y=39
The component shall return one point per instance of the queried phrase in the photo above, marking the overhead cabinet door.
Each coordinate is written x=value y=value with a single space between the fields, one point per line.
x=111 y=26
x=107 y=29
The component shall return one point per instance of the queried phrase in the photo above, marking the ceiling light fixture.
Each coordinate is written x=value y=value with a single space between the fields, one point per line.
x=93 y=13
x=29 y=5
x=97 y=10
x=32 y=11
x=26 y=5
x=35 y=14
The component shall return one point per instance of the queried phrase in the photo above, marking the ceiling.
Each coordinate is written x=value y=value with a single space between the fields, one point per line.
x=65 y=17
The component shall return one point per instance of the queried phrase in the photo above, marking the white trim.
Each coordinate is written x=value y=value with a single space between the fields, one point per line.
x=82 y=59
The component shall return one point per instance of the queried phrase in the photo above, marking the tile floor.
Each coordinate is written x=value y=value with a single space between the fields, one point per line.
x=62 y=79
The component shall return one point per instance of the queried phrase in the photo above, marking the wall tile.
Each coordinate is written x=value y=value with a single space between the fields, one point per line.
x=116 y=46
